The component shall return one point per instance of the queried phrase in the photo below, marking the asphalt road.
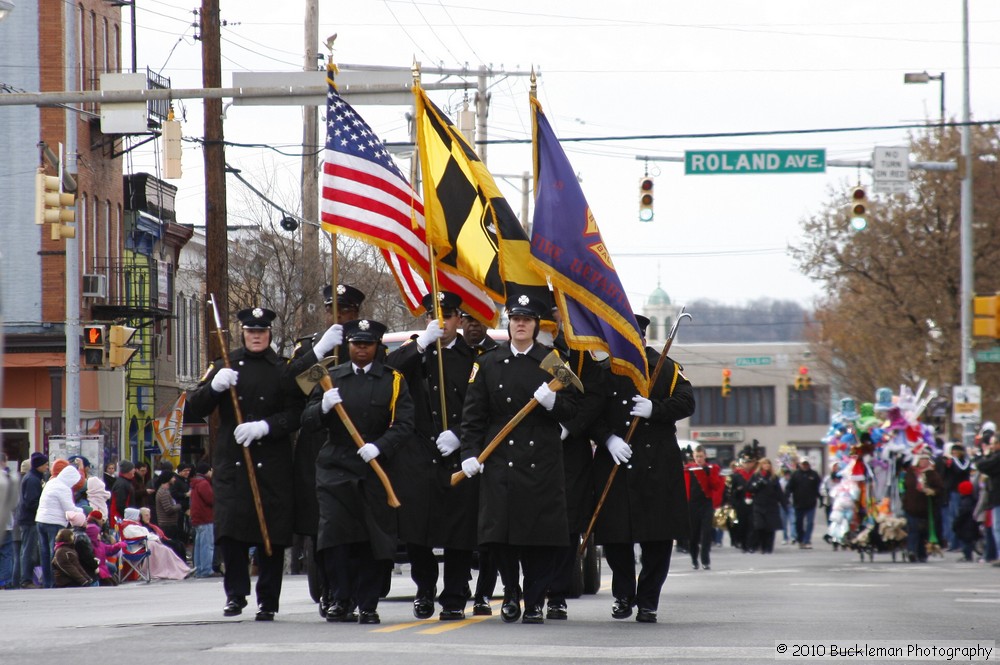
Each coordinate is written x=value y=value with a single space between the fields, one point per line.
x=736 y=612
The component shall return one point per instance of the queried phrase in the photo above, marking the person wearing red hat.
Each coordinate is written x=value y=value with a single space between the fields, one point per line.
x=964 y=526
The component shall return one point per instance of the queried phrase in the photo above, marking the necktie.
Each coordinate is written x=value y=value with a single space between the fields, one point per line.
x=360 y=372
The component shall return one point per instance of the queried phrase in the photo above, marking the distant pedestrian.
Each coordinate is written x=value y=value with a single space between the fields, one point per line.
x=767 y=499
x=803 y=490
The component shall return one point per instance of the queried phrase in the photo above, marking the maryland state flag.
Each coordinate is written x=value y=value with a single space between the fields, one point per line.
x=566 y=245
x=470 y=226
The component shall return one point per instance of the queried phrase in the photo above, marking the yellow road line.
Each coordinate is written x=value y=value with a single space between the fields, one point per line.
x=445 y=626
x=401 y=626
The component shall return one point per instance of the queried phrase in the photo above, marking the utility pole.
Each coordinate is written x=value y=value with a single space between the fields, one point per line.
x=482 y=111
x=310 y=194
x=67 y=162
x=216 y=249
x=967 y=284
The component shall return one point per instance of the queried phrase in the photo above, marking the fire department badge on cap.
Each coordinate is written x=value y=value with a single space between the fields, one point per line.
x=363 y=325
x=523 y=300
x=258 y=312
x=341 y=289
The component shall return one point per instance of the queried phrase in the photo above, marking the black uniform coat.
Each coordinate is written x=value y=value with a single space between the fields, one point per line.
x=647 y=500
x=522 y=498
x=352 y=501
x=266 y=391
x=578 y=452
x=433 y=513
x=767 y=501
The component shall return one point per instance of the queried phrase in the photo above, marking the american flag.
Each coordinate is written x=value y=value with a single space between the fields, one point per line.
x=366 y=196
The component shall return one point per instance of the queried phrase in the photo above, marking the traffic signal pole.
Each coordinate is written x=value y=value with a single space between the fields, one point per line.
x=67 y=161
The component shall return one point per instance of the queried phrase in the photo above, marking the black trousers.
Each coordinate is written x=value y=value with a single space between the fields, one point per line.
x=655 y=561
x=457 y=573
x=562 y=580
x=356 y=577
x=702 y=531
x=236 y=581
x=538 y=562
x=764 y=539
x=486 y=580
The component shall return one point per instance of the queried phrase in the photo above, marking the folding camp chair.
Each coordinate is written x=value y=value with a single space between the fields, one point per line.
x=134 y=558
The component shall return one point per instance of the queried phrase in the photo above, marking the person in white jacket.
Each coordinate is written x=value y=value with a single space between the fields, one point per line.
x=55 y=502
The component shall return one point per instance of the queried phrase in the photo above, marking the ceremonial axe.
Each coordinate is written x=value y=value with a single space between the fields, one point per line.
x=319 y=374
x=564 y=376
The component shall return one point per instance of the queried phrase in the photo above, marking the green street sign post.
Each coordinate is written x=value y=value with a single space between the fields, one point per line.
x=731 y=162
x=753 y=361
x=988 y=355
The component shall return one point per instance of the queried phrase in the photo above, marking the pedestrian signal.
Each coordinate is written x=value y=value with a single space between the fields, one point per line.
x=646 y=199
x=94 y=352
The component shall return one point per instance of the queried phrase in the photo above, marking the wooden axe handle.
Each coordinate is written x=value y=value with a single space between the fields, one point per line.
x=554 y=385
x=326 y=383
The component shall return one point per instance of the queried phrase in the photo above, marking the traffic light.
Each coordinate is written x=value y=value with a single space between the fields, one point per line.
x=119 y=352
x=859 y=209
x=803 y=381
x=50 y=206
x=987 y=321
x=94 y=353
x=726 y=382
x=645 y=199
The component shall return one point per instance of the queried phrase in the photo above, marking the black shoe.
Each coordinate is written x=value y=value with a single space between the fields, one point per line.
x=481 y=608
x=451 y=615
x=234 y=606
x=533 y=614
x=324 y=606
x=264 y=615
x=556 y=612
x=368 y=616
x=510 y=611
x=694 y=564
x=622 y=609
x=340 y=611
x=706 y=567
x=646 y=616
x=423 y=607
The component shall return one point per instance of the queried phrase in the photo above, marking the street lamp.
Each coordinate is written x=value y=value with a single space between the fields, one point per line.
x=924 y=77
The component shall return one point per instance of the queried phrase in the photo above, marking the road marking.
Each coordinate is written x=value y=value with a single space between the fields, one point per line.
x=445 y=626
x=835 y=584
x=401 y=626
x=993 y=601
x=526 y=652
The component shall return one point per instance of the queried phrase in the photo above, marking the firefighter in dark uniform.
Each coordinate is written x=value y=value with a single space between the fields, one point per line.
x=522 y=500
x=357 y=527
x=308 y=351
x=433 y=513
x=578 y=457
x=476 y=336
x=646 y=503
x=271 y=405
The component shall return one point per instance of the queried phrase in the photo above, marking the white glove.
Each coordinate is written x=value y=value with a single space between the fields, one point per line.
x=332 y=338
x=643 y=407
x=331 y=398
x=432 y=334
x=545 y=396
x=620 y=451
x=368 y=452
x=224 y=380
x=447 y=442
x=247 y=433
x=563 y=432
x=471 y=467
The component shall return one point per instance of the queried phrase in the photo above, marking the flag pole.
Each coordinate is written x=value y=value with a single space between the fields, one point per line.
x=432 y=261
x=331 y=70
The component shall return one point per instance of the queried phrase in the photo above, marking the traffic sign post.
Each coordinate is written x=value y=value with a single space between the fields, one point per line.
x=715 y=162
x=891 y=170
x=967 y=405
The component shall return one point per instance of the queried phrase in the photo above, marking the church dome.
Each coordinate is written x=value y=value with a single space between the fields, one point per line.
x=658 y=297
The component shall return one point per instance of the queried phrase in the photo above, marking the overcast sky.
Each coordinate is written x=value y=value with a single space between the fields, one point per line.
x=619 y=69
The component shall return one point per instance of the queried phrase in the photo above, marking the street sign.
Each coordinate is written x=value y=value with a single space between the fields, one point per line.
x=988 y=355
x=891 y=170
x=718 y=435
x=966 y=404
x=754 y=361
x=714 y=162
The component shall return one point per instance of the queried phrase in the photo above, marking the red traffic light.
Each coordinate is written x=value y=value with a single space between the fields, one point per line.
x=803 y=370
x=646 y=184
x=727 y=373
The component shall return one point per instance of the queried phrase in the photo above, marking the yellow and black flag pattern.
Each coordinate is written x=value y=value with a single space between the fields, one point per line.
x=470 y=226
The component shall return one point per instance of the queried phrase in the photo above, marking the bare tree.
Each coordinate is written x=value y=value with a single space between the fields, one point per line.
x=891 y=307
